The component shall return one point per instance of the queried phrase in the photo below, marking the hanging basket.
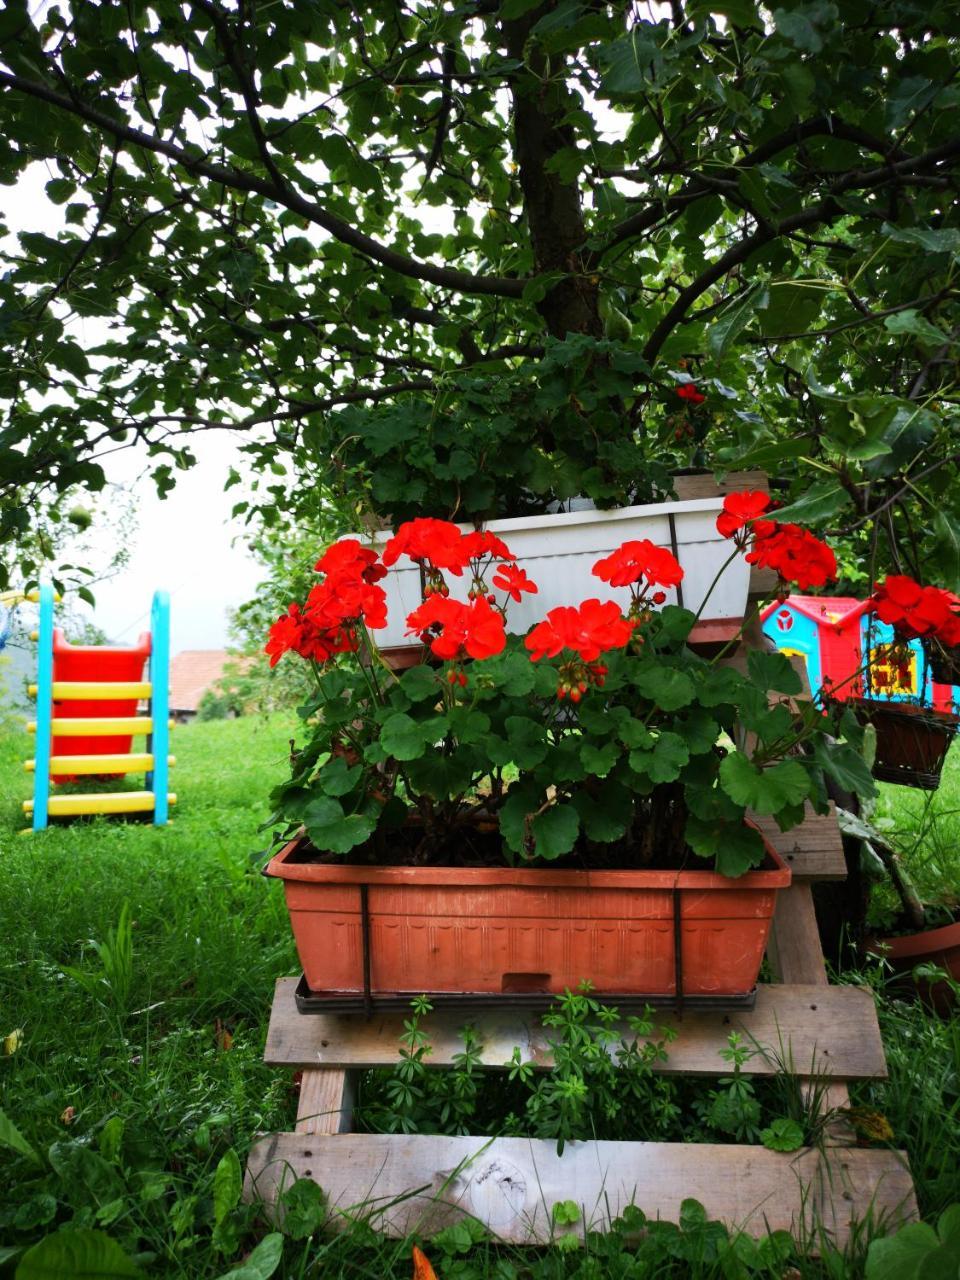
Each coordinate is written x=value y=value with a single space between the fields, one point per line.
x=943 y=662
x=912 y=741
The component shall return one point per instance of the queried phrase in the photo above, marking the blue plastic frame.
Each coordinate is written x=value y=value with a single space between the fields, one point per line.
x=44 y=713
x=158 y=779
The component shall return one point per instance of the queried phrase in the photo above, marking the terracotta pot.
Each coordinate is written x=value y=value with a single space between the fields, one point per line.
x=940 y=947
x=504 y=929
x=912 y=741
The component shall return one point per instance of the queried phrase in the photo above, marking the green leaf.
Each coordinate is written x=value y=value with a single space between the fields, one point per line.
x=766 y=791
x=822 y=501
x=511 y=9
x=555 y=831
x=944 y=558
x=227 y=1185
x=404 y=738
x=773 y=671
x=917 y=326
x=337 y=778
x=663 y=762
x=527 y=741
x=666 y=688
x=782 y=1134
x=791 y=308
x=720 y=685
x=10 y=1136
x=900 y=1257
x=932 y=239
x=846 y=766
x=604 y=817
x=522 y=800
x=81 y=1255
x=331 y=830
x=304 y=1209
x=261 y=1263
x=724 y=331
x=419 y=683
x=741 y=13
x=599 y=760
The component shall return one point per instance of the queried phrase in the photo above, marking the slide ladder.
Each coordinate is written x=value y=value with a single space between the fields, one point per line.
x=87 y=717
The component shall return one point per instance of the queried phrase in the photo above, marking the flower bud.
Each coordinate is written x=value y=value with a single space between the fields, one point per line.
x=658 y=597
x=575 y=695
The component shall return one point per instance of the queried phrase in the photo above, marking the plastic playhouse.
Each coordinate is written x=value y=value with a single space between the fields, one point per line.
x=833 y=634
x=88 y=700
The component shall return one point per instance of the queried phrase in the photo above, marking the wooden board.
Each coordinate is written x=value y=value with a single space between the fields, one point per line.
x=813 y=850
x=817 y=1029
x=402 y=1184
x=325 y=1104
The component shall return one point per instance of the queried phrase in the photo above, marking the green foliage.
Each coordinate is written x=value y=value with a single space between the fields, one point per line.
x=766 y=217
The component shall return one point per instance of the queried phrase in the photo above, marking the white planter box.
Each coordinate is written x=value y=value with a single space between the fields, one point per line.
x=559 y=551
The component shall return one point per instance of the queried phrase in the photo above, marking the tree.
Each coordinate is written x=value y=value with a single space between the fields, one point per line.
x=318 y=224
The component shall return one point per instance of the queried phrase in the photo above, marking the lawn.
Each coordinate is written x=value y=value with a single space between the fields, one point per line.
x=132 y=1060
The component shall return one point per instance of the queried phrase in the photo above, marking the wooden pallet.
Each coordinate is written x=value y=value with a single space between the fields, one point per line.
x=421 y=1183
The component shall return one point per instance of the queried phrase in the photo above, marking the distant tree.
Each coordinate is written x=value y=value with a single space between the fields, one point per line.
x=425 y=245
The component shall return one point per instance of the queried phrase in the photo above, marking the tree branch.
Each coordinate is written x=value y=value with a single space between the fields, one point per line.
x=200 y=166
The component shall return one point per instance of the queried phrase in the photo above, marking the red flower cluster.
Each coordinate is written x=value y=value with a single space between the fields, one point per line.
x=635 y=560
x=327 y=623
x=588 y=631
x=455 y=630
x=440 y=545
x=690 y=393
x=793 y=553
x=796 y=556
x=913 y=610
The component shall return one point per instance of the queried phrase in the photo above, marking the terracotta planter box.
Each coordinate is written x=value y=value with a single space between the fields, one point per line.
x=510 y=930
x=940 y=947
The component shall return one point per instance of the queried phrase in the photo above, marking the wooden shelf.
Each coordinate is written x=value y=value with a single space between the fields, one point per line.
x=808 y=1029
x=402 y=1184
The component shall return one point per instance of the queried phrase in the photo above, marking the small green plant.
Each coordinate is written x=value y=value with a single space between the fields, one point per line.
x=733 y=1107
x=918 y=1252
x=115 y=954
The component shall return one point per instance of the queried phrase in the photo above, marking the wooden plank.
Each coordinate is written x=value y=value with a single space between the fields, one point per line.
x=823 y=1029
x=402 y=1184
x=813 y=850
x=326 y=1101
x=707 y=486
x=797 y=957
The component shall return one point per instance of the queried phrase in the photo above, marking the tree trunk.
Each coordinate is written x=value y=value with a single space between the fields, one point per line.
x=554 y=213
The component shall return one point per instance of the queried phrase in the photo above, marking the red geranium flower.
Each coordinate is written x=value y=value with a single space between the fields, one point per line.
x=741 y=511
x=439 y=543
x=455 y=630
x=635 y=560
x=689 y=392
x=296 y=632
x=796 y=556
x=347 y=558
x=914 y=610
x=589 y=630
x=484 y=543
x=514 y=580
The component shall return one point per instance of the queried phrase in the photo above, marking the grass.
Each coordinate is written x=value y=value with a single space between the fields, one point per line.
x=135 y=986
x=925 y=828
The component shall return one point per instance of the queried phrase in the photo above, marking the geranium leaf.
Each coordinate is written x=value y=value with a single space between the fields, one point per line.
x=782 y=1134
x=528 y=741
x=666 y=688
x=599 y=760
x=773 y=671
x=555 y=831
x=402 y=737
x=337 y=778
x=333 y=831
x=419 y=683
x=763 y=790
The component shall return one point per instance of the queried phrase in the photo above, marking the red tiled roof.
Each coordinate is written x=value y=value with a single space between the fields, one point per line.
x=192 y=673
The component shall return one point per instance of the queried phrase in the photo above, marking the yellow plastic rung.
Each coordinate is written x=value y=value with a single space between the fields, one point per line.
x=106 y=802
x=132 y=762
x=105 y=690
x=98 y=726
